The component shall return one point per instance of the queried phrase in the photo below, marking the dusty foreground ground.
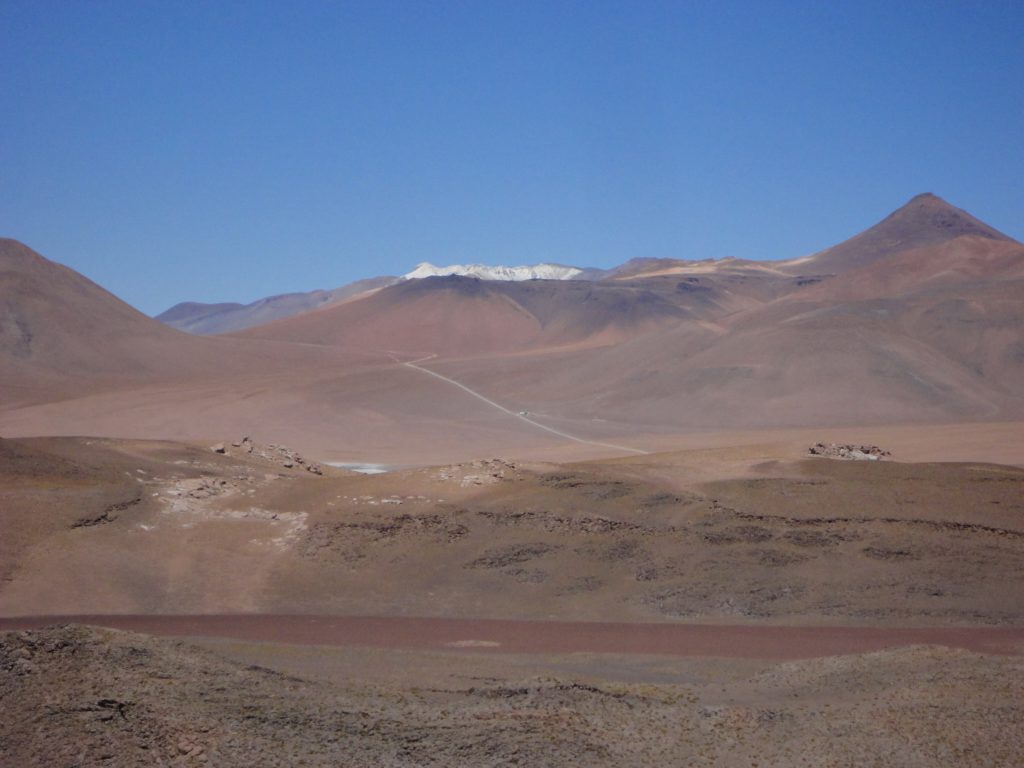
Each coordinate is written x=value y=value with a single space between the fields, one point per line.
x=80 y=696
x=758 y=607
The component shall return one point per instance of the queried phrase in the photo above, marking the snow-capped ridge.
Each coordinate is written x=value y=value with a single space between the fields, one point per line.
x=485 y=272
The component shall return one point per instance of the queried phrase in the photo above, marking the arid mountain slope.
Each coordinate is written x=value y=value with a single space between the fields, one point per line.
x=462 y=316
x=927 y=328
x=64 y=338
x=53 y=316
x=923 y=221
x=930 y=333
x=57 y=326
x=76 y=360
x=959 y=263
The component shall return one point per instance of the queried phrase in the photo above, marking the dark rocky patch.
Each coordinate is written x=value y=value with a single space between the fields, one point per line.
x=511 y=555
x=885 y=553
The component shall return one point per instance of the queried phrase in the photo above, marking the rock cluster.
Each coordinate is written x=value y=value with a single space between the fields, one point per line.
x=278 y=454
x=848 y=451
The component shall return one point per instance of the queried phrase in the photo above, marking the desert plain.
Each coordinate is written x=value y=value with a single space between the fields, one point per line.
x=597 y=533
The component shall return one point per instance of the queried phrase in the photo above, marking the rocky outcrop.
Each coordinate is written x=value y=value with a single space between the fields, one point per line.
x=277 y=454
x=480 y=472
x=848 y=451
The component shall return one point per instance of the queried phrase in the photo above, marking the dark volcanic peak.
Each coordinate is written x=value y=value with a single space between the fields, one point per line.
x=928 y=214
x=925 y=219
x=463 y=285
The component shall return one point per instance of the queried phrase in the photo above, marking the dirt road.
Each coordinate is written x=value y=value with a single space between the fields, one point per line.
x=522 y=417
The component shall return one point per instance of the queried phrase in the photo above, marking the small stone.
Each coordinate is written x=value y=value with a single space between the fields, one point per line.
x=218 y=448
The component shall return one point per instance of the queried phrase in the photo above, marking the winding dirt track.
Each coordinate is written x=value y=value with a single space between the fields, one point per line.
x=557 y=432
x=556 y=637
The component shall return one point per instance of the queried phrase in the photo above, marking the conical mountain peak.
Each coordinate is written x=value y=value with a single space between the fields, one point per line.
x=925 y=219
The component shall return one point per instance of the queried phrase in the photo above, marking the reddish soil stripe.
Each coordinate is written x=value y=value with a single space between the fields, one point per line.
x=507 y=636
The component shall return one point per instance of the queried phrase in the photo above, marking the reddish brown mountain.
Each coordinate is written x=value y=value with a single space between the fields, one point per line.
x=925 y=220
x=464 y=316
x=62 y=335
x=918 y=319
x=923 y=324
x=57 y=327
x=54 y=318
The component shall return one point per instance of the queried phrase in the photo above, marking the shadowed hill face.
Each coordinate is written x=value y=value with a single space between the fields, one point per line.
x=457 y=316
x=592 y=306
x=441 y=315
x=925 y=220
x=456 y=285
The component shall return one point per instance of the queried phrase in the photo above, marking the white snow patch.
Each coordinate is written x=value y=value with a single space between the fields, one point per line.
x=485 y=272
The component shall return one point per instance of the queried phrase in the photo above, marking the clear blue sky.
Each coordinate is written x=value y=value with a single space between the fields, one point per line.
x=226 y=151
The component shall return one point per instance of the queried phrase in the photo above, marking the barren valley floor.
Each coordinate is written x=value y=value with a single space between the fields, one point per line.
x=733 y=603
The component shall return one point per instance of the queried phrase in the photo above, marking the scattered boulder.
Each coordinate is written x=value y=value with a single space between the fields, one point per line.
x=245 y=442
x=218 y=448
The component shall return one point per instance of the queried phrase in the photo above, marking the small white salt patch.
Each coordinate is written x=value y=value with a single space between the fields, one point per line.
x=473 y=644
